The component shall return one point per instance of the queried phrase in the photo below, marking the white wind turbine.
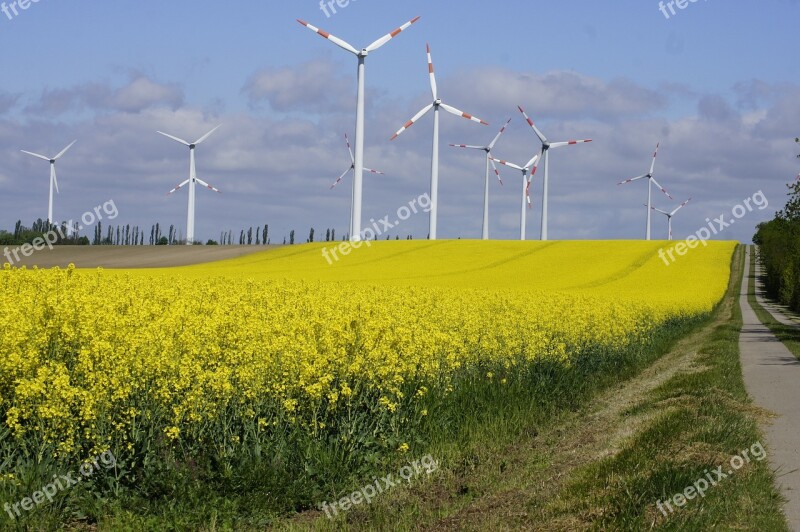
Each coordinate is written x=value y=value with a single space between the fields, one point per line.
x=545 y=154
x=526 y=189
x=669 y=215
x=53 y=179
x=650 y=181
x=488 y=149
x=191 y=181
x=437 y=103
x=352 y=168
x=358 y=162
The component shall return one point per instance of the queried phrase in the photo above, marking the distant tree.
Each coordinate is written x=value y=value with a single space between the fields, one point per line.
x=212 y=243
x=328 y=235
x=258 y=236
x=265 y=234
x=291 y=237
x=284 y=241
x=163 y=241
x=333 y=235
x=311 y=235
x=250 y=236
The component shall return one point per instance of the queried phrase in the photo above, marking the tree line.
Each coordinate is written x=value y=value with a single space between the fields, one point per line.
x=134 y=235
x=779 y=250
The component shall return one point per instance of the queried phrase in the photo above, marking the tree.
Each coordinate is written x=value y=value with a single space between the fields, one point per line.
x=250 y=236
x=333 y=235
x=266 y=234
x=328 y=235
x=291 y=237
x=311 y=235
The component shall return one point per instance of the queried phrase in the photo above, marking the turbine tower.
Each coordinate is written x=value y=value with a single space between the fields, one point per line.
x=191 y=181
x=650 y=181
x=545 y=154
x=436 y=105
x=355 y=215
x=53 y=179
x=488 y=149
x=527 y=176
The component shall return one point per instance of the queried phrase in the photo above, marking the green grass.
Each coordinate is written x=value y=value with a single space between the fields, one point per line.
x=788 y=334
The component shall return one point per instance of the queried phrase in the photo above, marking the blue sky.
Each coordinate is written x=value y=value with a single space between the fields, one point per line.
x=717 y=84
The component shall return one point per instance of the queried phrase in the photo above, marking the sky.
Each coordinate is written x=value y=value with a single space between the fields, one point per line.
x=716 y=83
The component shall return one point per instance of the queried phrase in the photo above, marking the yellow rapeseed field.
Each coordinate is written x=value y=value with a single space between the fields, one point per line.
x=217 y=354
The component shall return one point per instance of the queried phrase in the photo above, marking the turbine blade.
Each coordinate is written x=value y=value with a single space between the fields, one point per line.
x=536 y=164
x=434 y=89
x=569 y=143
x=528 y=193
x=496 y=171
x=204 y=137
x=632 y=180
x=502 y=130
x=65 y=150
x=412 y=121
x=178 y=187
x=347 y=140
x=335 y=40
x=389 y=36
x=533 y=160
x=206 y=185
x=681 y=206
x=453 y=110
x=36 y=155
x=340 y=178
x=662 y=188
x=176 y=139
x=467 y=146
x=506 y=163
x=530 y=123
x=371 y=171
x=653 y=165
x=659 y=210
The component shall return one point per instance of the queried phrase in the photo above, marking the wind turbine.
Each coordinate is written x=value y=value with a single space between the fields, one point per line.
x=53 y=179
x=669 y=215
x=191 y=181
x=437 y=103
x=545 y=154
x=358 y=168
x=352 y=168
x=488 y=149
x=526 y=188
x=650 y=180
